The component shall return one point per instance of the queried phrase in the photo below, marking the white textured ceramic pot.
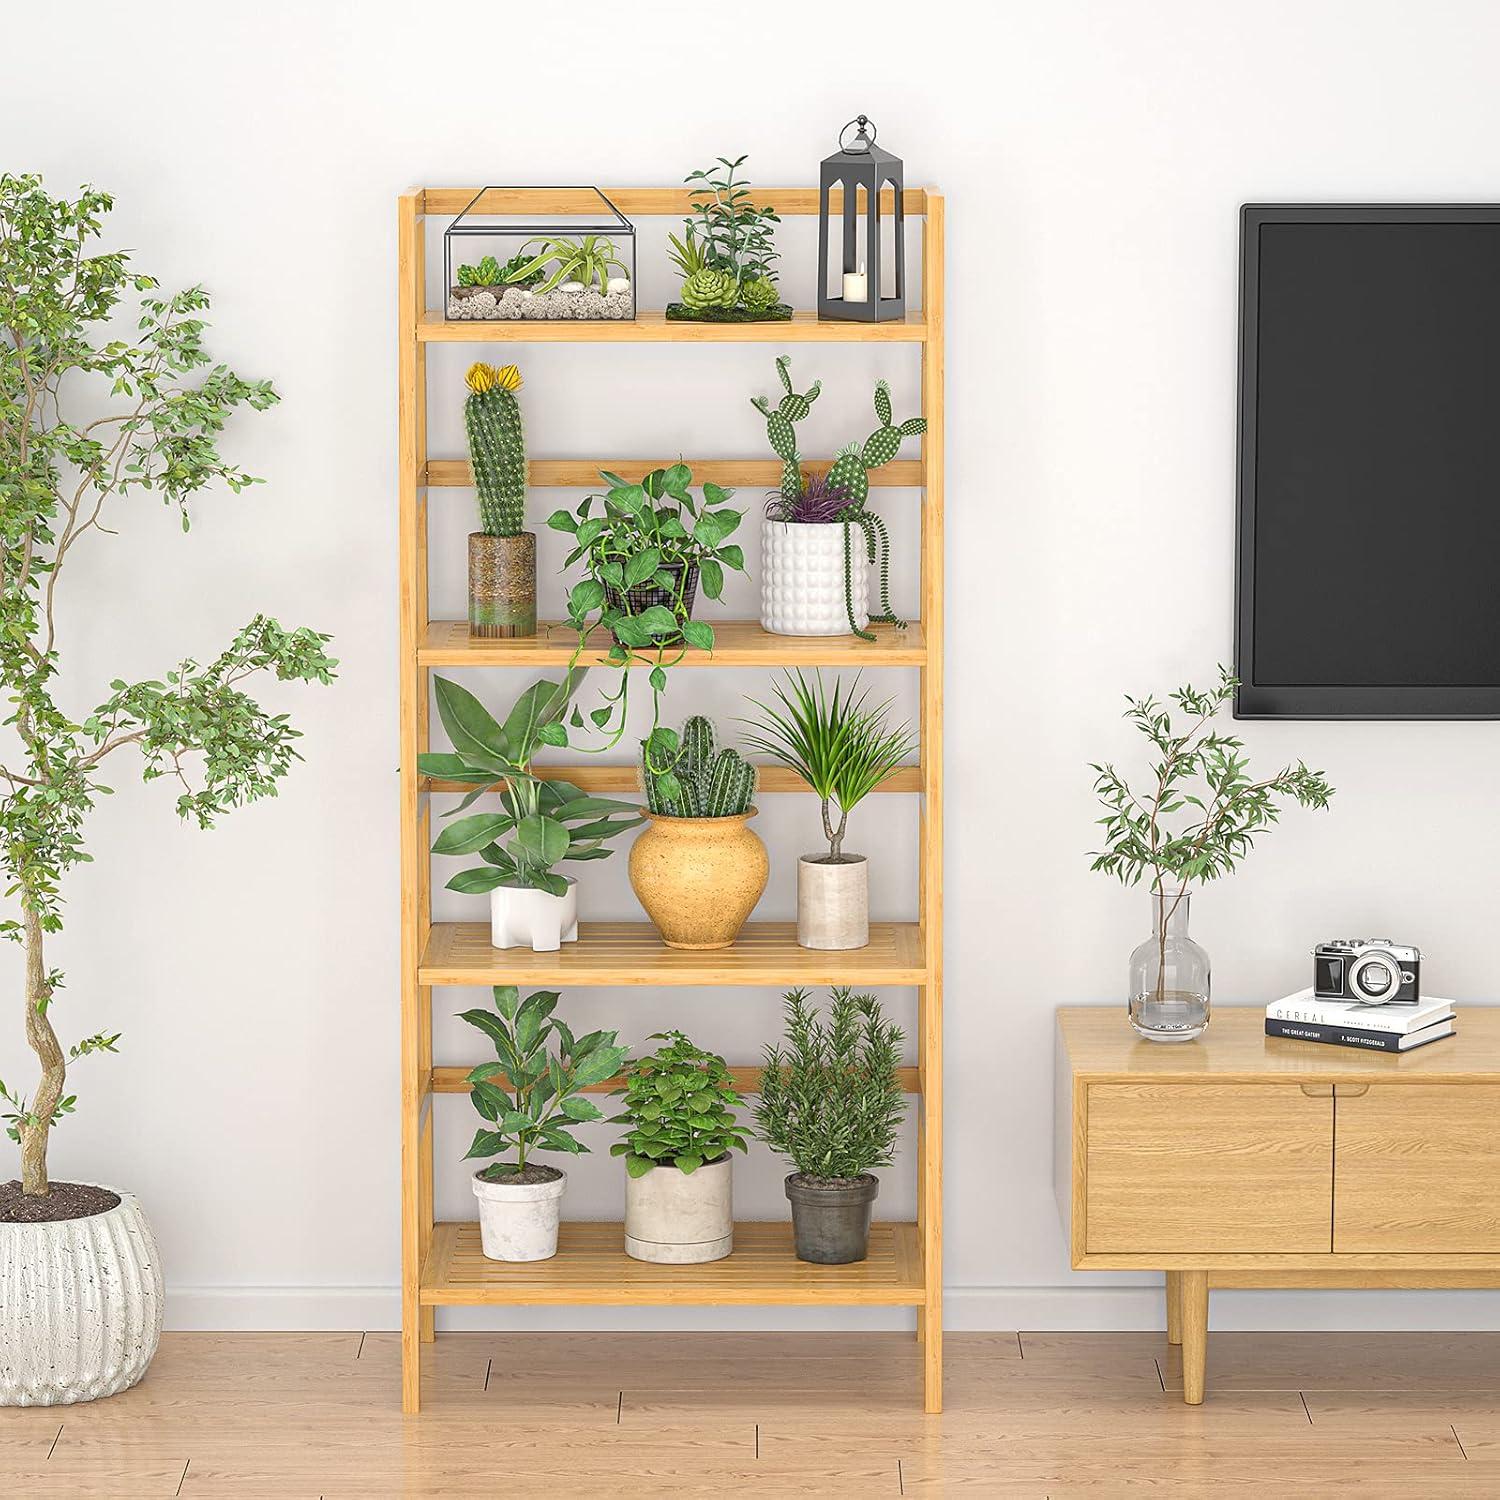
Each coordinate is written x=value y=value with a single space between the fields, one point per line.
x=533 y=919
x=80 y=1306
x=802 y=578
x=680 y=1218
x=518 y=1220
x=833 y=902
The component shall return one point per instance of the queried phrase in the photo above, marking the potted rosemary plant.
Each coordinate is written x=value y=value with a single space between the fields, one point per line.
x=814 y=569
x=699 y=868
x=530 y=1099
x=831 y=1104
x=502 y=553
x=541 y=823
x=843 y=747
x=679 y=1182
x=1195 y=820
x=80 y=1277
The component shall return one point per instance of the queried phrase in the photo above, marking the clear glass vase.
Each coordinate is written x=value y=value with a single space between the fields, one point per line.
x=1169 y=982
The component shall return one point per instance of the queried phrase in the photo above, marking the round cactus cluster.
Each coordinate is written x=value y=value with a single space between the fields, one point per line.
x=702 y=782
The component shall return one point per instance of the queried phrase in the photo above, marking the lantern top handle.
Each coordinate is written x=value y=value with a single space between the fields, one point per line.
x=864 y=138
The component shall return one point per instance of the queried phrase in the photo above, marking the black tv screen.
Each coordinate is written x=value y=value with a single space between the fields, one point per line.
x=1369 y=488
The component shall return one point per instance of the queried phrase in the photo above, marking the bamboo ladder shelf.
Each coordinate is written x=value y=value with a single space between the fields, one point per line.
x=441 y=1263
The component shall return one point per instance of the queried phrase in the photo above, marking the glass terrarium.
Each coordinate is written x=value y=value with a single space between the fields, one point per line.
x=538 y=254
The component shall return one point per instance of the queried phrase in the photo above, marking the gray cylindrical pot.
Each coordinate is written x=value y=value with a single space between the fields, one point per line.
x=833 y=902
x=680 y=1218
x=831 y=1216
x=502 y=584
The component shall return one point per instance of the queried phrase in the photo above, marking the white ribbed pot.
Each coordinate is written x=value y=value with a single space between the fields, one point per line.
x=518 y=1220
x=833 y=902
x=802 y=578
x=533 y=919
x=80 y=1306
x=680 y=1218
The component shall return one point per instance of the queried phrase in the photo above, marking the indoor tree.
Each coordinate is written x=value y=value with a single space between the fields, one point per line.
x=91 y=412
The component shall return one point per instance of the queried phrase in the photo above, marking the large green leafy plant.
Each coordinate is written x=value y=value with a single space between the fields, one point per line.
x=540 y=823
x=677 y=1105
x=531 y=1095
x=62 y=462
x=830 y=1100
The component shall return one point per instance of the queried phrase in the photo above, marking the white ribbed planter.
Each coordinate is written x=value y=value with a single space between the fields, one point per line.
x=533 y=919
x=833 y=902
x=802 y=578
x=680 y=1218
x=80 y=1306
x=518 y=1220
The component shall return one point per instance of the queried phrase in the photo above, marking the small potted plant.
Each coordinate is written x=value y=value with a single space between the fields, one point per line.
x=502 y=554
x=540 y=823
x=679 y=1183
x=1196 y=822
x=556 y=276
x=699 y=868
x=726 y=253
x=530 y=1098
x=843 y=747
x=831 y=1104
x=814 y=569
x=646 y=548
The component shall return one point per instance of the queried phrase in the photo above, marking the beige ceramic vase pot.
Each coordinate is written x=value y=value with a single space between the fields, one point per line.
x=698 y=878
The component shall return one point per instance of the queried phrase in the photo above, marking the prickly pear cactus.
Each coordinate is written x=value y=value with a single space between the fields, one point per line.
x=709 y=288
x=851 y=469
x=791 y=408
x=759 y=294
x=497 y=447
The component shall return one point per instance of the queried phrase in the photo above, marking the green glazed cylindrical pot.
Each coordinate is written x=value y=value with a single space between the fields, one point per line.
x=502 y=584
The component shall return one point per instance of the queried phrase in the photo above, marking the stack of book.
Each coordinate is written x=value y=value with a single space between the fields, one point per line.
x=1377 y=1028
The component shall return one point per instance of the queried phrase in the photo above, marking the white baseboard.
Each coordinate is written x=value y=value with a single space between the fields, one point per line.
x=1110 y=1308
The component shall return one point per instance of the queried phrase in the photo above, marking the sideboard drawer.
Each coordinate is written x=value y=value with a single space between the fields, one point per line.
x=1417 y=1169
x=1182 y=1168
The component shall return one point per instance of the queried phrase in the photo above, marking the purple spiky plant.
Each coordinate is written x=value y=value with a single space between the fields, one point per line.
x=818 y=503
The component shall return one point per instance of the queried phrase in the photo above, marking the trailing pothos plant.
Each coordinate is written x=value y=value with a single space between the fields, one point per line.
x=646 y=548
x=541 y=822
x=530 y=1096
x=62 y=461
x=677 y=1105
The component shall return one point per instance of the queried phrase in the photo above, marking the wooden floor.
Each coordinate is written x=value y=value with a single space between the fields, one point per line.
x=561 y=1415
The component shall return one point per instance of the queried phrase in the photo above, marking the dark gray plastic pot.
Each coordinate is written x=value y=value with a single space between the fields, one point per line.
x=831 y=1217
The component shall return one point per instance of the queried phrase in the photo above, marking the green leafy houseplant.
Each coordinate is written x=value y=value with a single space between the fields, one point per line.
x=678 y=1109
x=839 y=743
x=588 y=259
x=541 y=823
x=726 y=252
x=830 y=1100
x=645 y=548
x=156 y=431
x=531 y=1095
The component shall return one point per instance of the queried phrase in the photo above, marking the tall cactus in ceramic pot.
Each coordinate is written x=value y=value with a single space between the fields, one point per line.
x=698 y=869
x=502 y=554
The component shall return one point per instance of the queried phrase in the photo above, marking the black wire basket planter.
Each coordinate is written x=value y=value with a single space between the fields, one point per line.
x=643 y=596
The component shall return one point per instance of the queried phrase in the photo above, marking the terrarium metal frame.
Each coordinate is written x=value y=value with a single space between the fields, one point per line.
x=617 y=228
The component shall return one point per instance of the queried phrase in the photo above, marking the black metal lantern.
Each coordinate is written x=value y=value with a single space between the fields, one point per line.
x=861 y=165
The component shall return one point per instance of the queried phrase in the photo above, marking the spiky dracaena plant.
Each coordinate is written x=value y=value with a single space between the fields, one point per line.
x=57 y=475
x=702 y=781
x=497 y=447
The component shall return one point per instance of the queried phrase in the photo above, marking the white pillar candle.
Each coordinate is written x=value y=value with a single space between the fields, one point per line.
x=856 y=288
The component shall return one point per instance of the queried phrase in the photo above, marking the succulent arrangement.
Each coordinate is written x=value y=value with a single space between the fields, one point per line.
x=704 y=780
x=497 y=447
x=530 y=1096
x=646 y=548
x=849 y=476
x=677 y=1105
x=726 y=252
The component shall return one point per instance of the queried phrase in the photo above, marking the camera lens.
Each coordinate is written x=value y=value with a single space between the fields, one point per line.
x=1373 y=978
x=1374 y=981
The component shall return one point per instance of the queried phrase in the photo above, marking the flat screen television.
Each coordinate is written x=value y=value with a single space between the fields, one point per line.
x=1368 y=535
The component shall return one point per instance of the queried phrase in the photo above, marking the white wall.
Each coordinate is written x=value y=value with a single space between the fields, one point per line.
x=1094 y=156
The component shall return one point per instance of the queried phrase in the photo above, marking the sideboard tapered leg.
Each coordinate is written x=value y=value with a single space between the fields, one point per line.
x=1194 y=1298
x=1174 y=1307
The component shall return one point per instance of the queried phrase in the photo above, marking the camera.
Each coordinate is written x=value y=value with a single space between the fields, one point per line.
x=1367 y=971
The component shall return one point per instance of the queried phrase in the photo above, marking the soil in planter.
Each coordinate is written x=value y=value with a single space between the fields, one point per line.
x=805 y=1180
x=67 y=1200
x=680 y=312
x=520 y=1176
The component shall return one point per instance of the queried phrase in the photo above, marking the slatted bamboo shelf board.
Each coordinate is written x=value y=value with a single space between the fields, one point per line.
x=442 y=1263
x=591 y=1267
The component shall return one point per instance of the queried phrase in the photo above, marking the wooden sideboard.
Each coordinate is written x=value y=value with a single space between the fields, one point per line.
x=1242 y=1160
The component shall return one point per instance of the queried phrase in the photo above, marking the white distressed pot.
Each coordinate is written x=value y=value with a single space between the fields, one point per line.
x=518 y=1220
x=833 y=902
x=533 y=919
x=680 y=1218
x=802 y=578
x=80 y=1306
